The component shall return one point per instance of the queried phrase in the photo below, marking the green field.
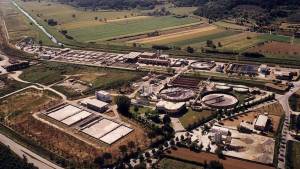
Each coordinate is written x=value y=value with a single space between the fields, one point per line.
x=229 y=25
x=97 y=78
x=199 y=42
x=83 y=27
x=279 y=38
x=191 y=116
x=167 y=163
x=109 y=30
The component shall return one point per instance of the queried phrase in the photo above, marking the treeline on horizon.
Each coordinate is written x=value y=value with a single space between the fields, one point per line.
x=113 y=4
x=262 y=11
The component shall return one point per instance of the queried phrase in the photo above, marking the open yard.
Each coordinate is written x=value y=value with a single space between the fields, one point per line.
x=191 y=117
x=29 y=100
x=228 y=163
x=87 y=78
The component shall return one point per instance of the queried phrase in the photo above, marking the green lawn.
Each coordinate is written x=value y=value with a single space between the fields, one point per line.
x=141 y=110
x=167 y=163
x=192 y=116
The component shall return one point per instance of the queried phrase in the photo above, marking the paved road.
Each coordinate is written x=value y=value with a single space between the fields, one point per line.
x=32 y=157
x=284 y=101
x=4 y=61
x=16 y=75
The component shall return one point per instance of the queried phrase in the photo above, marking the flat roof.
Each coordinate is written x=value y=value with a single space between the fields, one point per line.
x=132 y=55
x=96 y=102
x=116 y=134
x=170 y=105
x=102 y=92
x=100 y=128
x=148 y=54
x=75 y=118
x=65 y=112
x=261 y=120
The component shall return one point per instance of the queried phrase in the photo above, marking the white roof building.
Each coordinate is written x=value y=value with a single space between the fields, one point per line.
x=261 y=122
x=223 y=131
x=132 y=55
x=170 y=107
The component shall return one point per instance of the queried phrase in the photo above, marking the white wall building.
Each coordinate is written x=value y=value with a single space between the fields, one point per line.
x=103 y=96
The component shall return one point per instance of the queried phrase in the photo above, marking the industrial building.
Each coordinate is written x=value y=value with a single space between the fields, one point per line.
x=170 y=107
x=261 y=122
x=103 y=96
x=96 y=105
x=132 y=57
x=283 y=75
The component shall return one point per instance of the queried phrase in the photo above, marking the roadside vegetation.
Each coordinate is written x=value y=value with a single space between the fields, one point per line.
x=10 y=160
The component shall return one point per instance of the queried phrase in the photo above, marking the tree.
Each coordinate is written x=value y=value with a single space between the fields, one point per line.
x=215 y=165
x=107 y=156
x=99 y=160
x=136 y=108
x=147 y=154
x=219 y=153
x=298 y=123
x=190 y=49
x=142 y=165
x=123 y=103
x=131 y=145
x=166 y=119
x=123 y=149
